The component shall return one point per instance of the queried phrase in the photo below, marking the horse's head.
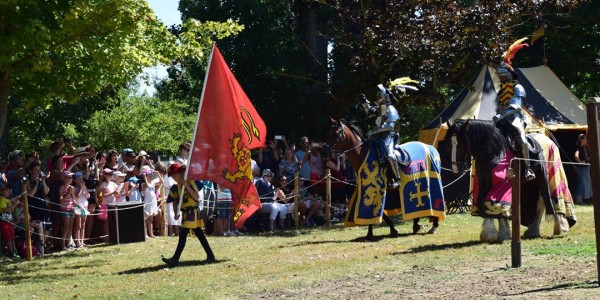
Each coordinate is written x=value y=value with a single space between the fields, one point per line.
x=336 y=135
x=345 y=138
x=457 y=143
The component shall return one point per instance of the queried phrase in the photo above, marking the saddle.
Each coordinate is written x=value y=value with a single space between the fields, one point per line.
x=537 y=148
x=402 y=156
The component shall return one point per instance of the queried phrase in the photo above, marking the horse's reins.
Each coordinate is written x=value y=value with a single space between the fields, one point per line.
x=341 y=133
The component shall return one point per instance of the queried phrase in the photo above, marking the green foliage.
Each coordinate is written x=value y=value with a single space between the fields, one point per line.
x=59 y=52
x=141 y=123
x=272 y=59
x=66 y=50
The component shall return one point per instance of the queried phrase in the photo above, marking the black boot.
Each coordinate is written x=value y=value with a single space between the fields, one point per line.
x=170 y=262
x=210 y=256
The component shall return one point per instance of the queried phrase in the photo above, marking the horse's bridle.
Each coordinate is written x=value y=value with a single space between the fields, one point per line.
x=453 y=160
x=454 y=142
x=339 y=133
x=342 y=133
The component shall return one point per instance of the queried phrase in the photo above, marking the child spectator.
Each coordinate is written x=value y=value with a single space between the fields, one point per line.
x=37 y=190
x=80 y=209
x=6 y=228
x=149 y=186
x=121 y=190
x=108 y=187
x=224 y=205
x=37 y=232
x=91 y=183
x=184 y=153
x=133 y=190
x=67 y=198
x=172 y=223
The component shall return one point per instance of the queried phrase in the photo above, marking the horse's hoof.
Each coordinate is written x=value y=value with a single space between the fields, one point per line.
x=416 y=229
x=433 y=230
x=393 y=233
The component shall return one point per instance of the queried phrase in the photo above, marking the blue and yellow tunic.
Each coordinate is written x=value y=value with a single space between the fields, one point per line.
x=190 y=215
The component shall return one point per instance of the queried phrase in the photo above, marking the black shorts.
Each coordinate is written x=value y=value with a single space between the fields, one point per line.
x=93 y=198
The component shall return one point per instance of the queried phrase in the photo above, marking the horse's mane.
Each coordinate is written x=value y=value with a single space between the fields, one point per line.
x=487 y=142
x=354 y=128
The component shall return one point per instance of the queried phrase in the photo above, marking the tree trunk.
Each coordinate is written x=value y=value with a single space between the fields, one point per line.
x=4 y=93
x=313 y=23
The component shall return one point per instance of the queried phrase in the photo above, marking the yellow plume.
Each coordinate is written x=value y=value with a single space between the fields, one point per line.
x=402 y=81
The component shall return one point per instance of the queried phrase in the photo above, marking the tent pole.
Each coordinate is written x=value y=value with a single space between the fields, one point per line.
x=437 y=133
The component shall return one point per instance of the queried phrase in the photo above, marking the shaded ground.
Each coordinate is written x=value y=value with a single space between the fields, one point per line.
x=559 y=278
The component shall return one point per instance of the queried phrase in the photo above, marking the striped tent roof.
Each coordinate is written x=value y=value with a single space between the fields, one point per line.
x=549 y=103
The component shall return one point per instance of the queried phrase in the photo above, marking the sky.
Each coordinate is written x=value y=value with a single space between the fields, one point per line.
x=166 y=11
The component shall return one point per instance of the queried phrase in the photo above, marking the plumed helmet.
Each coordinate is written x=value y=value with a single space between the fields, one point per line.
x=505 y=72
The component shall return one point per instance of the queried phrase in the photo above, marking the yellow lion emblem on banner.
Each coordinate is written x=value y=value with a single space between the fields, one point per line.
x=241 y=154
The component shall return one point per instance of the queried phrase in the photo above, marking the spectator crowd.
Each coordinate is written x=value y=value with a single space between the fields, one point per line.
x=69 y=192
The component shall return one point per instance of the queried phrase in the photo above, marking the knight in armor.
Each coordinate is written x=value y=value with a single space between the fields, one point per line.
x=385 y=132
x=510 y=103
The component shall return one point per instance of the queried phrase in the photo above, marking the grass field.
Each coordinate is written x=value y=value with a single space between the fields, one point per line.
x=322 y=263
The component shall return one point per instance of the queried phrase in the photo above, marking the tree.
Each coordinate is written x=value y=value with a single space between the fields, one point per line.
x=140 y=122
x=68 y=50
x=280 y=59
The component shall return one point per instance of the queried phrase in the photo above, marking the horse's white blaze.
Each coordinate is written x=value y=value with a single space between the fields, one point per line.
x=454 y=146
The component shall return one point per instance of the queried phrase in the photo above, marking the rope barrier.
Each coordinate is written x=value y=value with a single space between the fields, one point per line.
x=457 y=179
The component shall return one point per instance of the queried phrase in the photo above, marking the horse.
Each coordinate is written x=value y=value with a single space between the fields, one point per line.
x=492 y=148
x=426 y=191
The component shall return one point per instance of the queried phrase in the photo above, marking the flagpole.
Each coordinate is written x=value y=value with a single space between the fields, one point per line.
x=199 y=110
x=185 y=174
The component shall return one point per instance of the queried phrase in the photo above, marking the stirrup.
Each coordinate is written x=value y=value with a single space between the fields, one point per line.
x=529 y=175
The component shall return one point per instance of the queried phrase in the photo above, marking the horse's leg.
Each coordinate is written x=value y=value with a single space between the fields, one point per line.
x=504 y=230
x=436 y=223
x=489 y=233
x=390 y=223
x=369 y=236
x=533 y=230
x=561 y=225
x=416 y=226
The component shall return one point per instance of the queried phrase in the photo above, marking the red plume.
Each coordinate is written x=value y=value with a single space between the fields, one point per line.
x=512 y=50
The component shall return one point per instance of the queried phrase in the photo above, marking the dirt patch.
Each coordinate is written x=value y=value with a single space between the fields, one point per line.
x=538 y=278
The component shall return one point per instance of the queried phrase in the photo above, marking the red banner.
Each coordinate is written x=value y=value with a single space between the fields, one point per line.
x=228 y=126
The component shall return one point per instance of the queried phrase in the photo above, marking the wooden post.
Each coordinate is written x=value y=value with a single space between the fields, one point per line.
x=163 y=208
x=26 y=221
x=437 y=134
x=593 y=120
x=515 y=246
x=328 y=196
x=296 y=198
